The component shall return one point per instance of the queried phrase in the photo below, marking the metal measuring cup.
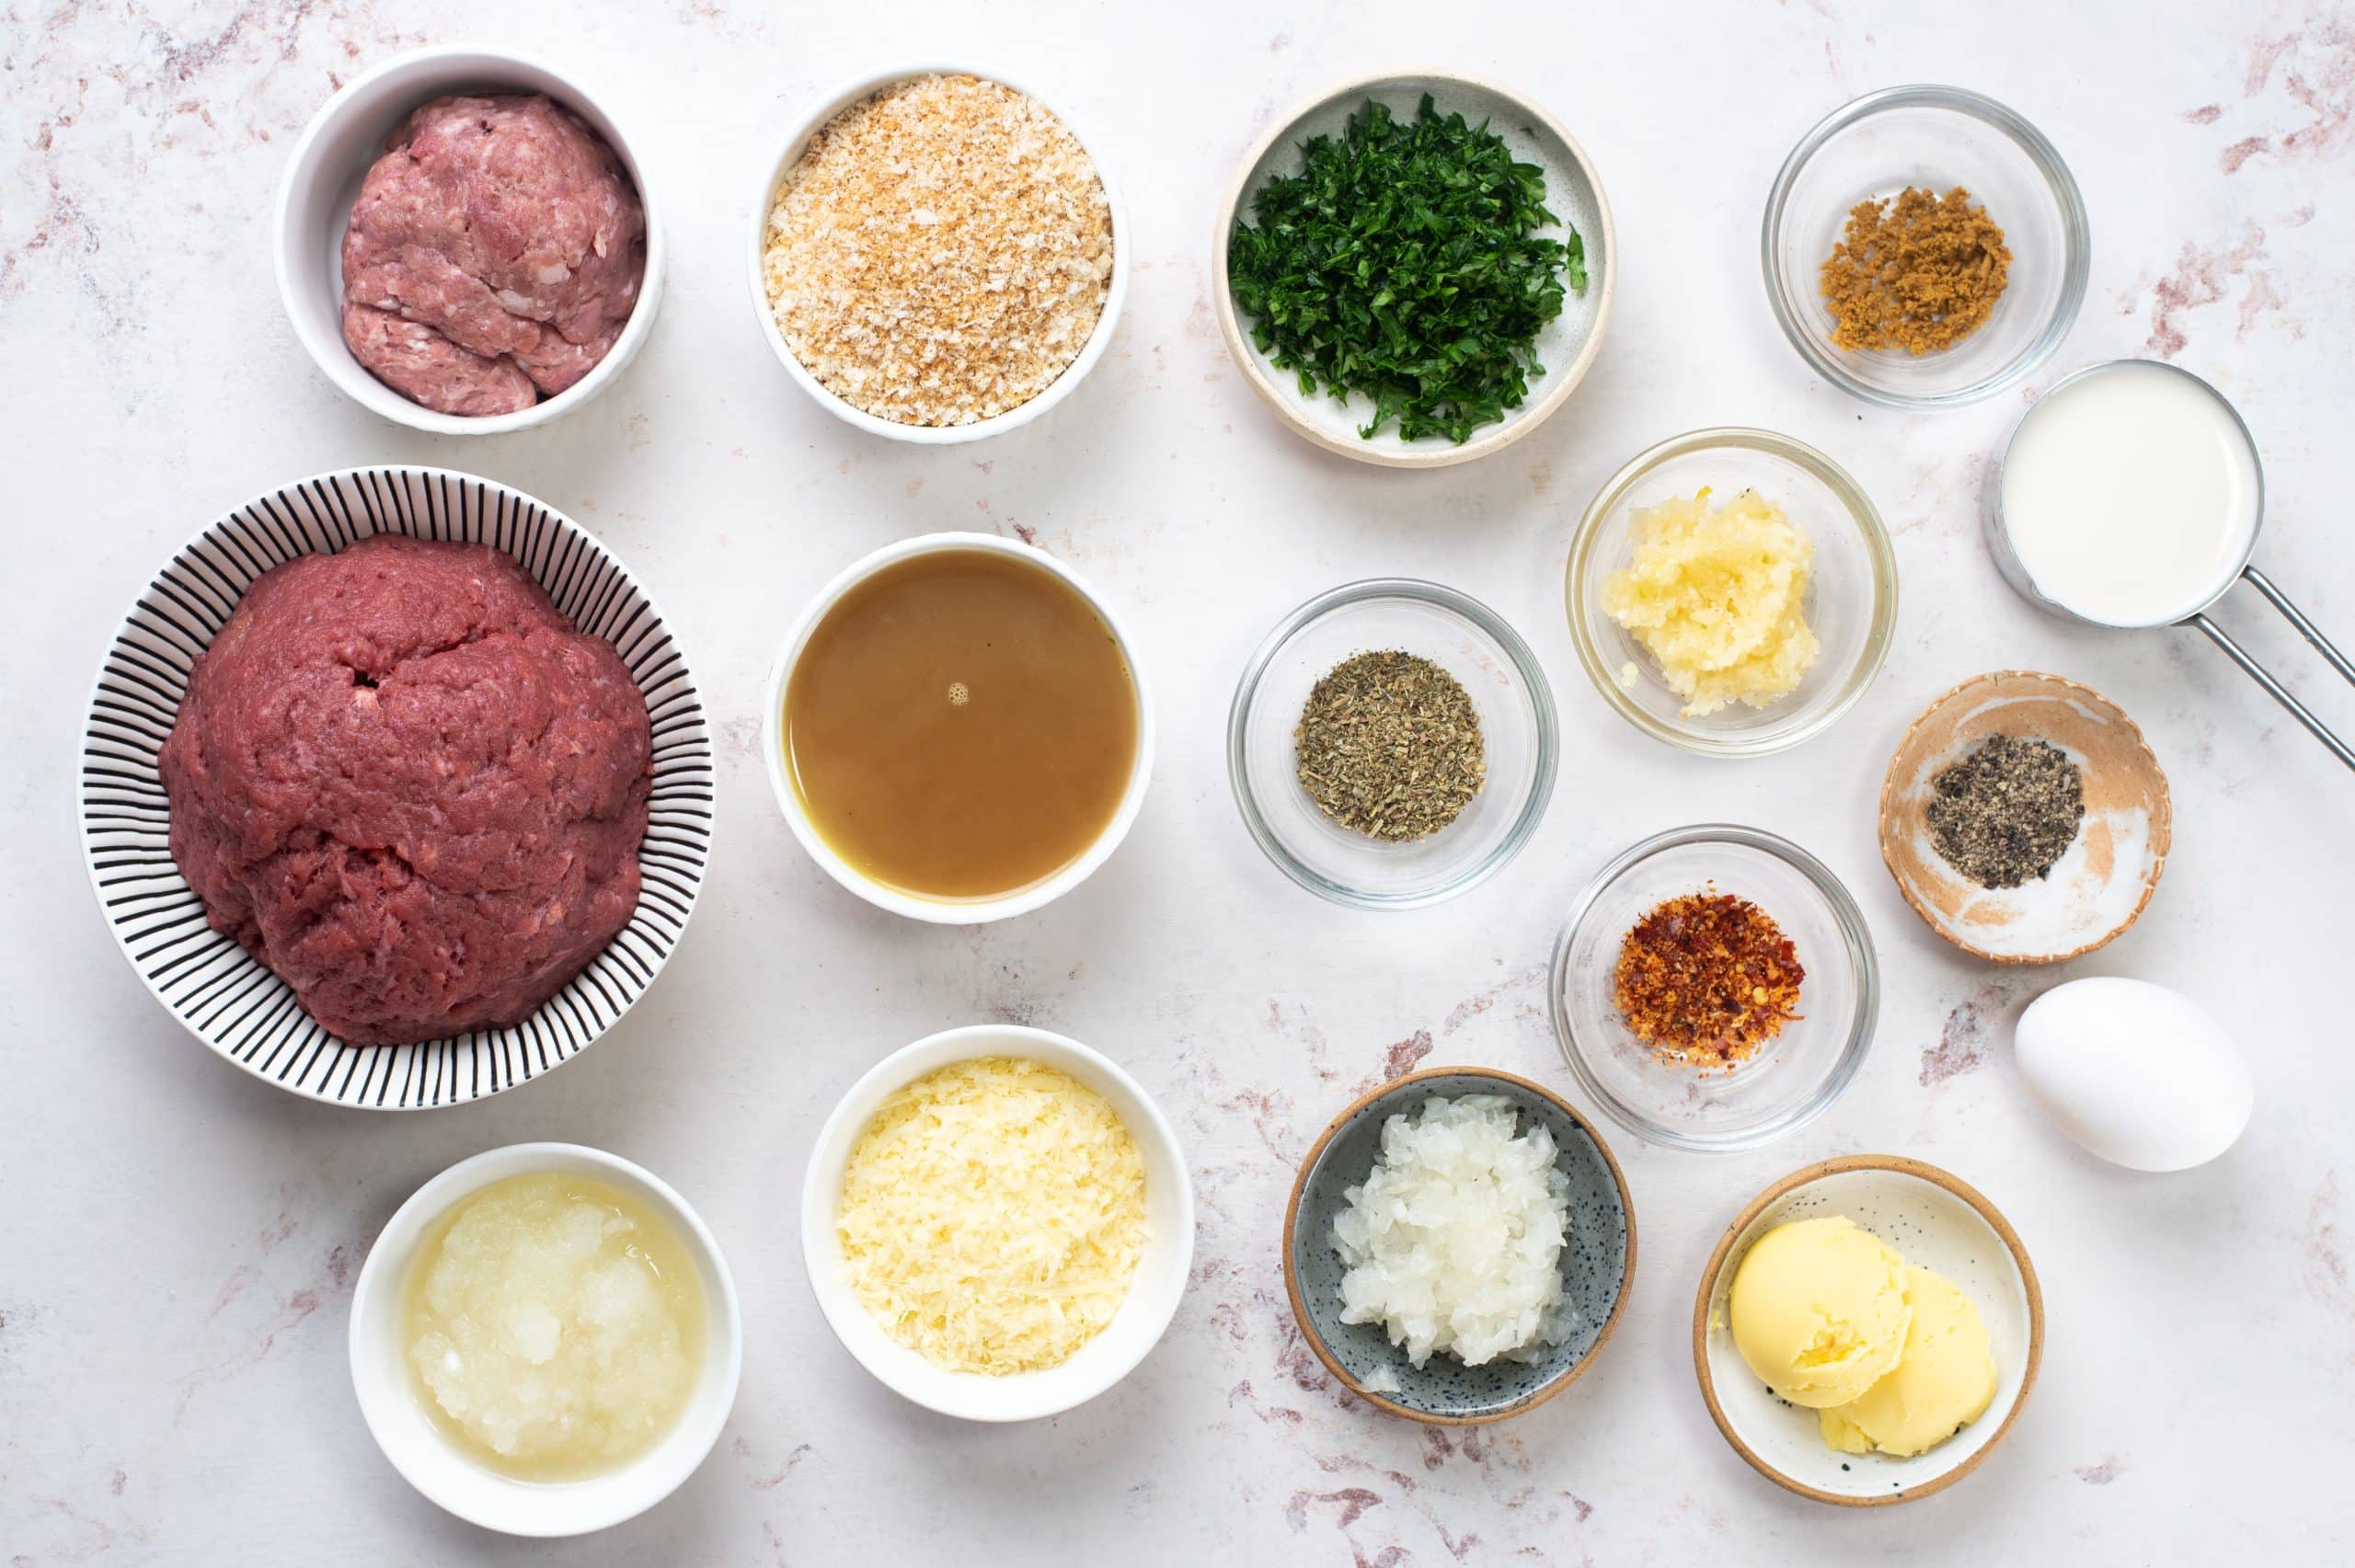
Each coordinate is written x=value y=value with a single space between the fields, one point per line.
x=2008 y=562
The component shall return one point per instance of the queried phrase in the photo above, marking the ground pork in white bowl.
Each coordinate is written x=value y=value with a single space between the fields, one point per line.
x=467 y=242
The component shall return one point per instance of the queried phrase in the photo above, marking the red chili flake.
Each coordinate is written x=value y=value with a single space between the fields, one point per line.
x=1707 y=978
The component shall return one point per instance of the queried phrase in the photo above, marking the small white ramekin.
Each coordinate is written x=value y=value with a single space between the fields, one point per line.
x=428 y=1460
x=943 y=912
x=323 y=178
x=1162 y=1271
x=773 y=172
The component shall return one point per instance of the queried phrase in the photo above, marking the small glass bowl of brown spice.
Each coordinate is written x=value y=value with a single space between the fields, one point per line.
x=1924 y=246
x=1714 y=988
x=1392 y=743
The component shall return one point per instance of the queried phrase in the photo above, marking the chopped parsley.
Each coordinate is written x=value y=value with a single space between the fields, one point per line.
x=1403 y=263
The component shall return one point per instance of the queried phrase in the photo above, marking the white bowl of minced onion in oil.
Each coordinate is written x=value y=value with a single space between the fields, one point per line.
x=432 y=1461
x=1162 y=1264
x=796 y=141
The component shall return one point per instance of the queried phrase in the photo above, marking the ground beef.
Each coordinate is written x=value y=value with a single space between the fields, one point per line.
x=494 y=255
x=405 y=782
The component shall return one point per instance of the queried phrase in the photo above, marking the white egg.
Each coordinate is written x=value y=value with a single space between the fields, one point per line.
x=2143 y=1076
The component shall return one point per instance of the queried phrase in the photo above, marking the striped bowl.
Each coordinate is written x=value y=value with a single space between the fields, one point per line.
x=222 y=993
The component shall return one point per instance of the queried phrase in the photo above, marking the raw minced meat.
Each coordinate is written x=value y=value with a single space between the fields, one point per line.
x=494 y=255
x=407 y=783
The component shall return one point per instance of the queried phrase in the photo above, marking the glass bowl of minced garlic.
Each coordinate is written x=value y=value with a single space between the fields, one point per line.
x=1731 y=591
x=1924 y=246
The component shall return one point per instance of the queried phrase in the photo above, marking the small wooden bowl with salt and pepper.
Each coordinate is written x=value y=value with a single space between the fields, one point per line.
x=1997 y=816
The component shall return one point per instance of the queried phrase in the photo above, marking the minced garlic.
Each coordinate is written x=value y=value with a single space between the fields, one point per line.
x=993 y=1216
x=1717 y=596
x=941 y=253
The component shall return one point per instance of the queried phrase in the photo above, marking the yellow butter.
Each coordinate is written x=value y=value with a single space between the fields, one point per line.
x=1818 y=1310
x=1944 y=1382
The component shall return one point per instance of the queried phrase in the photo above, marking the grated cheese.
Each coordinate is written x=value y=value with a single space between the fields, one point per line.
x=992 y=1216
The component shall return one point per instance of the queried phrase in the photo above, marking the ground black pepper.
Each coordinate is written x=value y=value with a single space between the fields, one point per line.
x=2007 y=811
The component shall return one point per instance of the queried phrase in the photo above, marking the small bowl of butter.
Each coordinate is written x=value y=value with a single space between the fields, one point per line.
x=545 y=1340
x=1731 y=591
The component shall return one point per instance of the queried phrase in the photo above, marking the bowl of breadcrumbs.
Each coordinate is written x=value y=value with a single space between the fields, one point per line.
x=936 y=255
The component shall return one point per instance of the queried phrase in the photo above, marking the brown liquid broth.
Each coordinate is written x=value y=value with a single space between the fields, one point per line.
x=970 y=800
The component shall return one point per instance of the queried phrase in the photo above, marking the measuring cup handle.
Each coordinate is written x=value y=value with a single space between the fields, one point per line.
x=2279 y=692
x=2307 y=628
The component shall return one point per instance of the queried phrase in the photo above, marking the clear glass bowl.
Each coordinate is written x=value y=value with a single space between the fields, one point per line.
x=1795 y=1076
x=1936 y=138
x=1463 y=638
x=1851 y=599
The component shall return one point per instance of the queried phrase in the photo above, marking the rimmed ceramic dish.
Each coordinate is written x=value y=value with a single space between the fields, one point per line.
x=1518 y=729
x=789 y=152
x=1936 y=138
x=1851 y=602
x=949 y=911
x=1566 y=348
x=396 y=1418
x=1104 y=1360
x=1789 y=1081
x=323 y=178
x=1935 y=1221
x=2098 y=889
x=1598 y=1259
x=222 y=993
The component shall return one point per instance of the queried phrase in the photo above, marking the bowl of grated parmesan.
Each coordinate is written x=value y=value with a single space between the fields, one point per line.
x=936 y=254
x=997 y=1222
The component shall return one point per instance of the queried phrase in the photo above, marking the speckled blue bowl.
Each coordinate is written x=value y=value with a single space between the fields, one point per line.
x=1598 y=1265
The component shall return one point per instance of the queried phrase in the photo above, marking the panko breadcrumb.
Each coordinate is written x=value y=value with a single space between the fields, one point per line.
x=940 y=252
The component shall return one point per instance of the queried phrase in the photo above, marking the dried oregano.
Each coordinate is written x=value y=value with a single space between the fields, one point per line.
x=1389 y=745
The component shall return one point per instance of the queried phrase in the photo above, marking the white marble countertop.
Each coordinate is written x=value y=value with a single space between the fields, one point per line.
x=177 y=1240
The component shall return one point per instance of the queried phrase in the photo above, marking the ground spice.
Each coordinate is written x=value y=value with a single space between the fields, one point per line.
x=1918 y=273
x=2007 y=811
x=1706 y=978
x=1389 y=744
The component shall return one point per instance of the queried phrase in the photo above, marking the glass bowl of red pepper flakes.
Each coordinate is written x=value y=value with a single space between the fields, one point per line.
x=1747 y=995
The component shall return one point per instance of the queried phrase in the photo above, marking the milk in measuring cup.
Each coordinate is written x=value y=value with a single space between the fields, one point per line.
x=2130 y=495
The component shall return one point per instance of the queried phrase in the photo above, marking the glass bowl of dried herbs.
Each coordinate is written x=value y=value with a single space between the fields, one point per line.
x=1924 y=246
x=1414 y=271
x=1392 y=743
x=1647 y=944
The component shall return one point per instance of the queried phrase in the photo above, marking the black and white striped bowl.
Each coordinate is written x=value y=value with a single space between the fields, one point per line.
x=224 y=996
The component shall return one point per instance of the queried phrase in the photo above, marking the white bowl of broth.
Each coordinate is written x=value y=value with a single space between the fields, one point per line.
x=957 y=729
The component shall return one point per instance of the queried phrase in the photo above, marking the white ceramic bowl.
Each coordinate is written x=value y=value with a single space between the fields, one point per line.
x=222 y=994
x=773 y=173
x=943 y=912
x=1935 y=1221
x=322 y=181
x=428 y=1461
x=1102 y=1361
x=1566 y=348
